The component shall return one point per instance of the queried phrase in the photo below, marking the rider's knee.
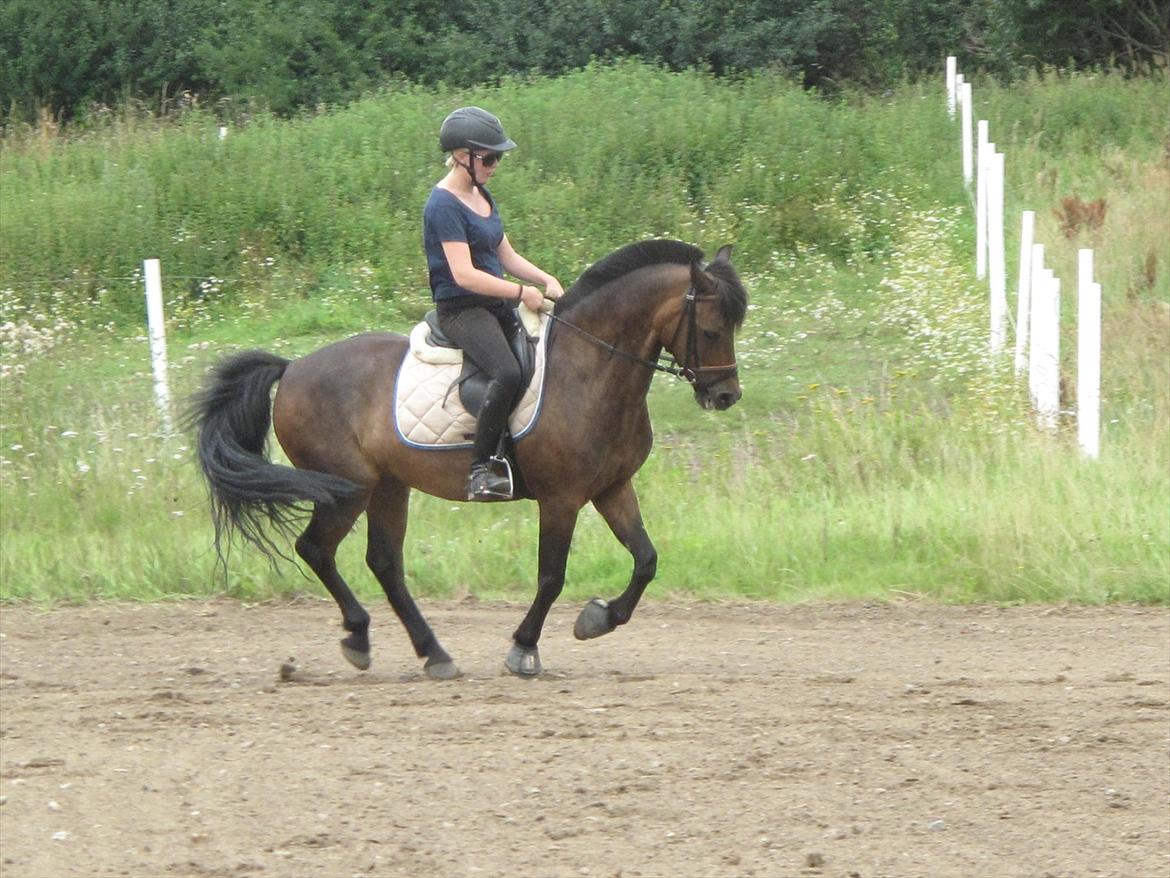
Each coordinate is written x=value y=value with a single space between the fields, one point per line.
x=509 y=378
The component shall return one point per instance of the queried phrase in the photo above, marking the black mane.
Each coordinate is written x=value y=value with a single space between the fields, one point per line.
x=622 y=262
x=733 y=298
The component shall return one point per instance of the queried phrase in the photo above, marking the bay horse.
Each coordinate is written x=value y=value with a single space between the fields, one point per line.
x=333 y=414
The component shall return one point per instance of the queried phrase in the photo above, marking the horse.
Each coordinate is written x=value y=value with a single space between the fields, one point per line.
x=333 y=415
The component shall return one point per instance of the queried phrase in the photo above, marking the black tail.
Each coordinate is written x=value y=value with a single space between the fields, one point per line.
x=232 y=416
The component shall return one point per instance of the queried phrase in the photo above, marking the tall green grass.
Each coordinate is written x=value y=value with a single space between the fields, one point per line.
x=607 y=155
x=876 y=451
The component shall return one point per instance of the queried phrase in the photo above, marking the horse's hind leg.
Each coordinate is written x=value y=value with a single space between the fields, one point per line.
x=619 y=507
x=318 y=547
x=386 y=516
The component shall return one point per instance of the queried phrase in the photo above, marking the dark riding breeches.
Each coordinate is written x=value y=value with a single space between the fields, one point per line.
x=479 y=333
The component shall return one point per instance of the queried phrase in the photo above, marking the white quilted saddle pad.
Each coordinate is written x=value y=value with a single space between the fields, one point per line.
x=427 y=409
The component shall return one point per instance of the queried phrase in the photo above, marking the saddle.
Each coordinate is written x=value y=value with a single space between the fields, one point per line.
x=428 y=415
x=473 y=381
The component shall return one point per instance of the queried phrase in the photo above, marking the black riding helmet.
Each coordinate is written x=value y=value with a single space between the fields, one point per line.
x=473 y=128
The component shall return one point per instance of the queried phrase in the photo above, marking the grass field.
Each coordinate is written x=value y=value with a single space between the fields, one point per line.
x=876 y=453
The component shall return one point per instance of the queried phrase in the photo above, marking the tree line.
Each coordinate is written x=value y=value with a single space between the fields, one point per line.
x=69 y=58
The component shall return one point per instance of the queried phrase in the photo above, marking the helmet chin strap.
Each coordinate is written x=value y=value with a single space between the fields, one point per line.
x=470 y=168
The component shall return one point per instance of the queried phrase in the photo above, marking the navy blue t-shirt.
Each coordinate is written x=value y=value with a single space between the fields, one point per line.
x=446 y=218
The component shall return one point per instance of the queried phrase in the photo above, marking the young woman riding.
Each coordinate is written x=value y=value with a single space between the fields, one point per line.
x=467 y=256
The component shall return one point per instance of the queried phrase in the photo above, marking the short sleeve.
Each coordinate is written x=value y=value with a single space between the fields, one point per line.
x=444 y=221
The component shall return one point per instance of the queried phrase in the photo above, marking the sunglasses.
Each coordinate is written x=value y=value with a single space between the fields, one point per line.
x=489 y=159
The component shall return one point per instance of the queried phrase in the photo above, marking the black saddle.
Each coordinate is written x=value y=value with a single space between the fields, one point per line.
x=473 y=381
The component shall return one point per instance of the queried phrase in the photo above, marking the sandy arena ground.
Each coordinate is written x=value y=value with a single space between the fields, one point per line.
x=701 y=740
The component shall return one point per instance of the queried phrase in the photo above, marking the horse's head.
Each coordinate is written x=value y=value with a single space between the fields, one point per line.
x=693 y=313
x=703 y=341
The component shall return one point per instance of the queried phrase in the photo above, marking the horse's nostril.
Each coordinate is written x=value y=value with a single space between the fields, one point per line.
x=726 y=399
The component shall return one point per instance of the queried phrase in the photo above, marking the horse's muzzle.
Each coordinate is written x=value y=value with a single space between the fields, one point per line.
x=720 y=397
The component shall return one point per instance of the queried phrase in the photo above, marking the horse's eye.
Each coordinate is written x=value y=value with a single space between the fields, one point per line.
x=711 y=334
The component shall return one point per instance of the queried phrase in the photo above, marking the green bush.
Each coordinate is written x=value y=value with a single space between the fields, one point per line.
x=758 y=161
x=72 y=58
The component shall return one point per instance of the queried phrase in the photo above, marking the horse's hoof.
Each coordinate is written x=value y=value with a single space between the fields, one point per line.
x=593 y=621
x=442 y=669
x=356 y=657
x=523 y=662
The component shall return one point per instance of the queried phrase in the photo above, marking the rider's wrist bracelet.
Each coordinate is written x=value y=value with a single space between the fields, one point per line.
x=520 y=294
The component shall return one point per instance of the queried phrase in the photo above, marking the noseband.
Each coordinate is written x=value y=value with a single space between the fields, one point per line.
x=691 y=369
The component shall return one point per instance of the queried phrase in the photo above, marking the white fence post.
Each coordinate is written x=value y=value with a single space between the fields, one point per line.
x=952 y=72
x=981 y=156
x=965 y=101
x=1046 y=342
x=1035 y=344
x=152 y=275
x=1024 y=289
x=1088 y=357
x=997 y=268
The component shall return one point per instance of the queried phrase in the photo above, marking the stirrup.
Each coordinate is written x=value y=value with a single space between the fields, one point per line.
x=491 y=480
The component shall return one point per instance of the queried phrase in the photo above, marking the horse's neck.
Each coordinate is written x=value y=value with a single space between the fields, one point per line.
x=632 y=316
x=629 y=318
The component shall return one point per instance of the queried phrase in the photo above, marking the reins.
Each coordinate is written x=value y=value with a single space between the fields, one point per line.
x=691 y=368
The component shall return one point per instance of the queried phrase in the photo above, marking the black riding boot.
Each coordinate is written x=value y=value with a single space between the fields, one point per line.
x=484 y=483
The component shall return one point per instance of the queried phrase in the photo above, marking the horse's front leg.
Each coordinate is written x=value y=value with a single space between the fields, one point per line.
x=557 y=522
x=619 y=507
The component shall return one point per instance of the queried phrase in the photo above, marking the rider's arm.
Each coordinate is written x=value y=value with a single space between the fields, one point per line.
x=517 y=266
x=458 y=256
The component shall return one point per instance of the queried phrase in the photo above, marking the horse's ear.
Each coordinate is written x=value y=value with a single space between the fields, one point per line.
x=700 y=280
x=724 y=254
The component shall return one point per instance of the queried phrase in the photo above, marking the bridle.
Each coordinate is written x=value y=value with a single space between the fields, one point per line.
x=691 y=369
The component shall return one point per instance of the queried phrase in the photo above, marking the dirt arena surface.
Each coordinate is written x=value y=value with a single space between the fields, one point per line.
x=701 y=740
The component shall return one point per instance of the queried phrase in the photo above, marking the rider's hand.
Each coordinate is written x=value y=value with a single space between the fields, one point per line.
x=553 y=289
x=531 y=297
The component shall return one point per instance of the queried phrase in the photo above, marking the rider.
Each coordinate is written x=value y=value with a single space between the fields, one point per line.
x=467 y=255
